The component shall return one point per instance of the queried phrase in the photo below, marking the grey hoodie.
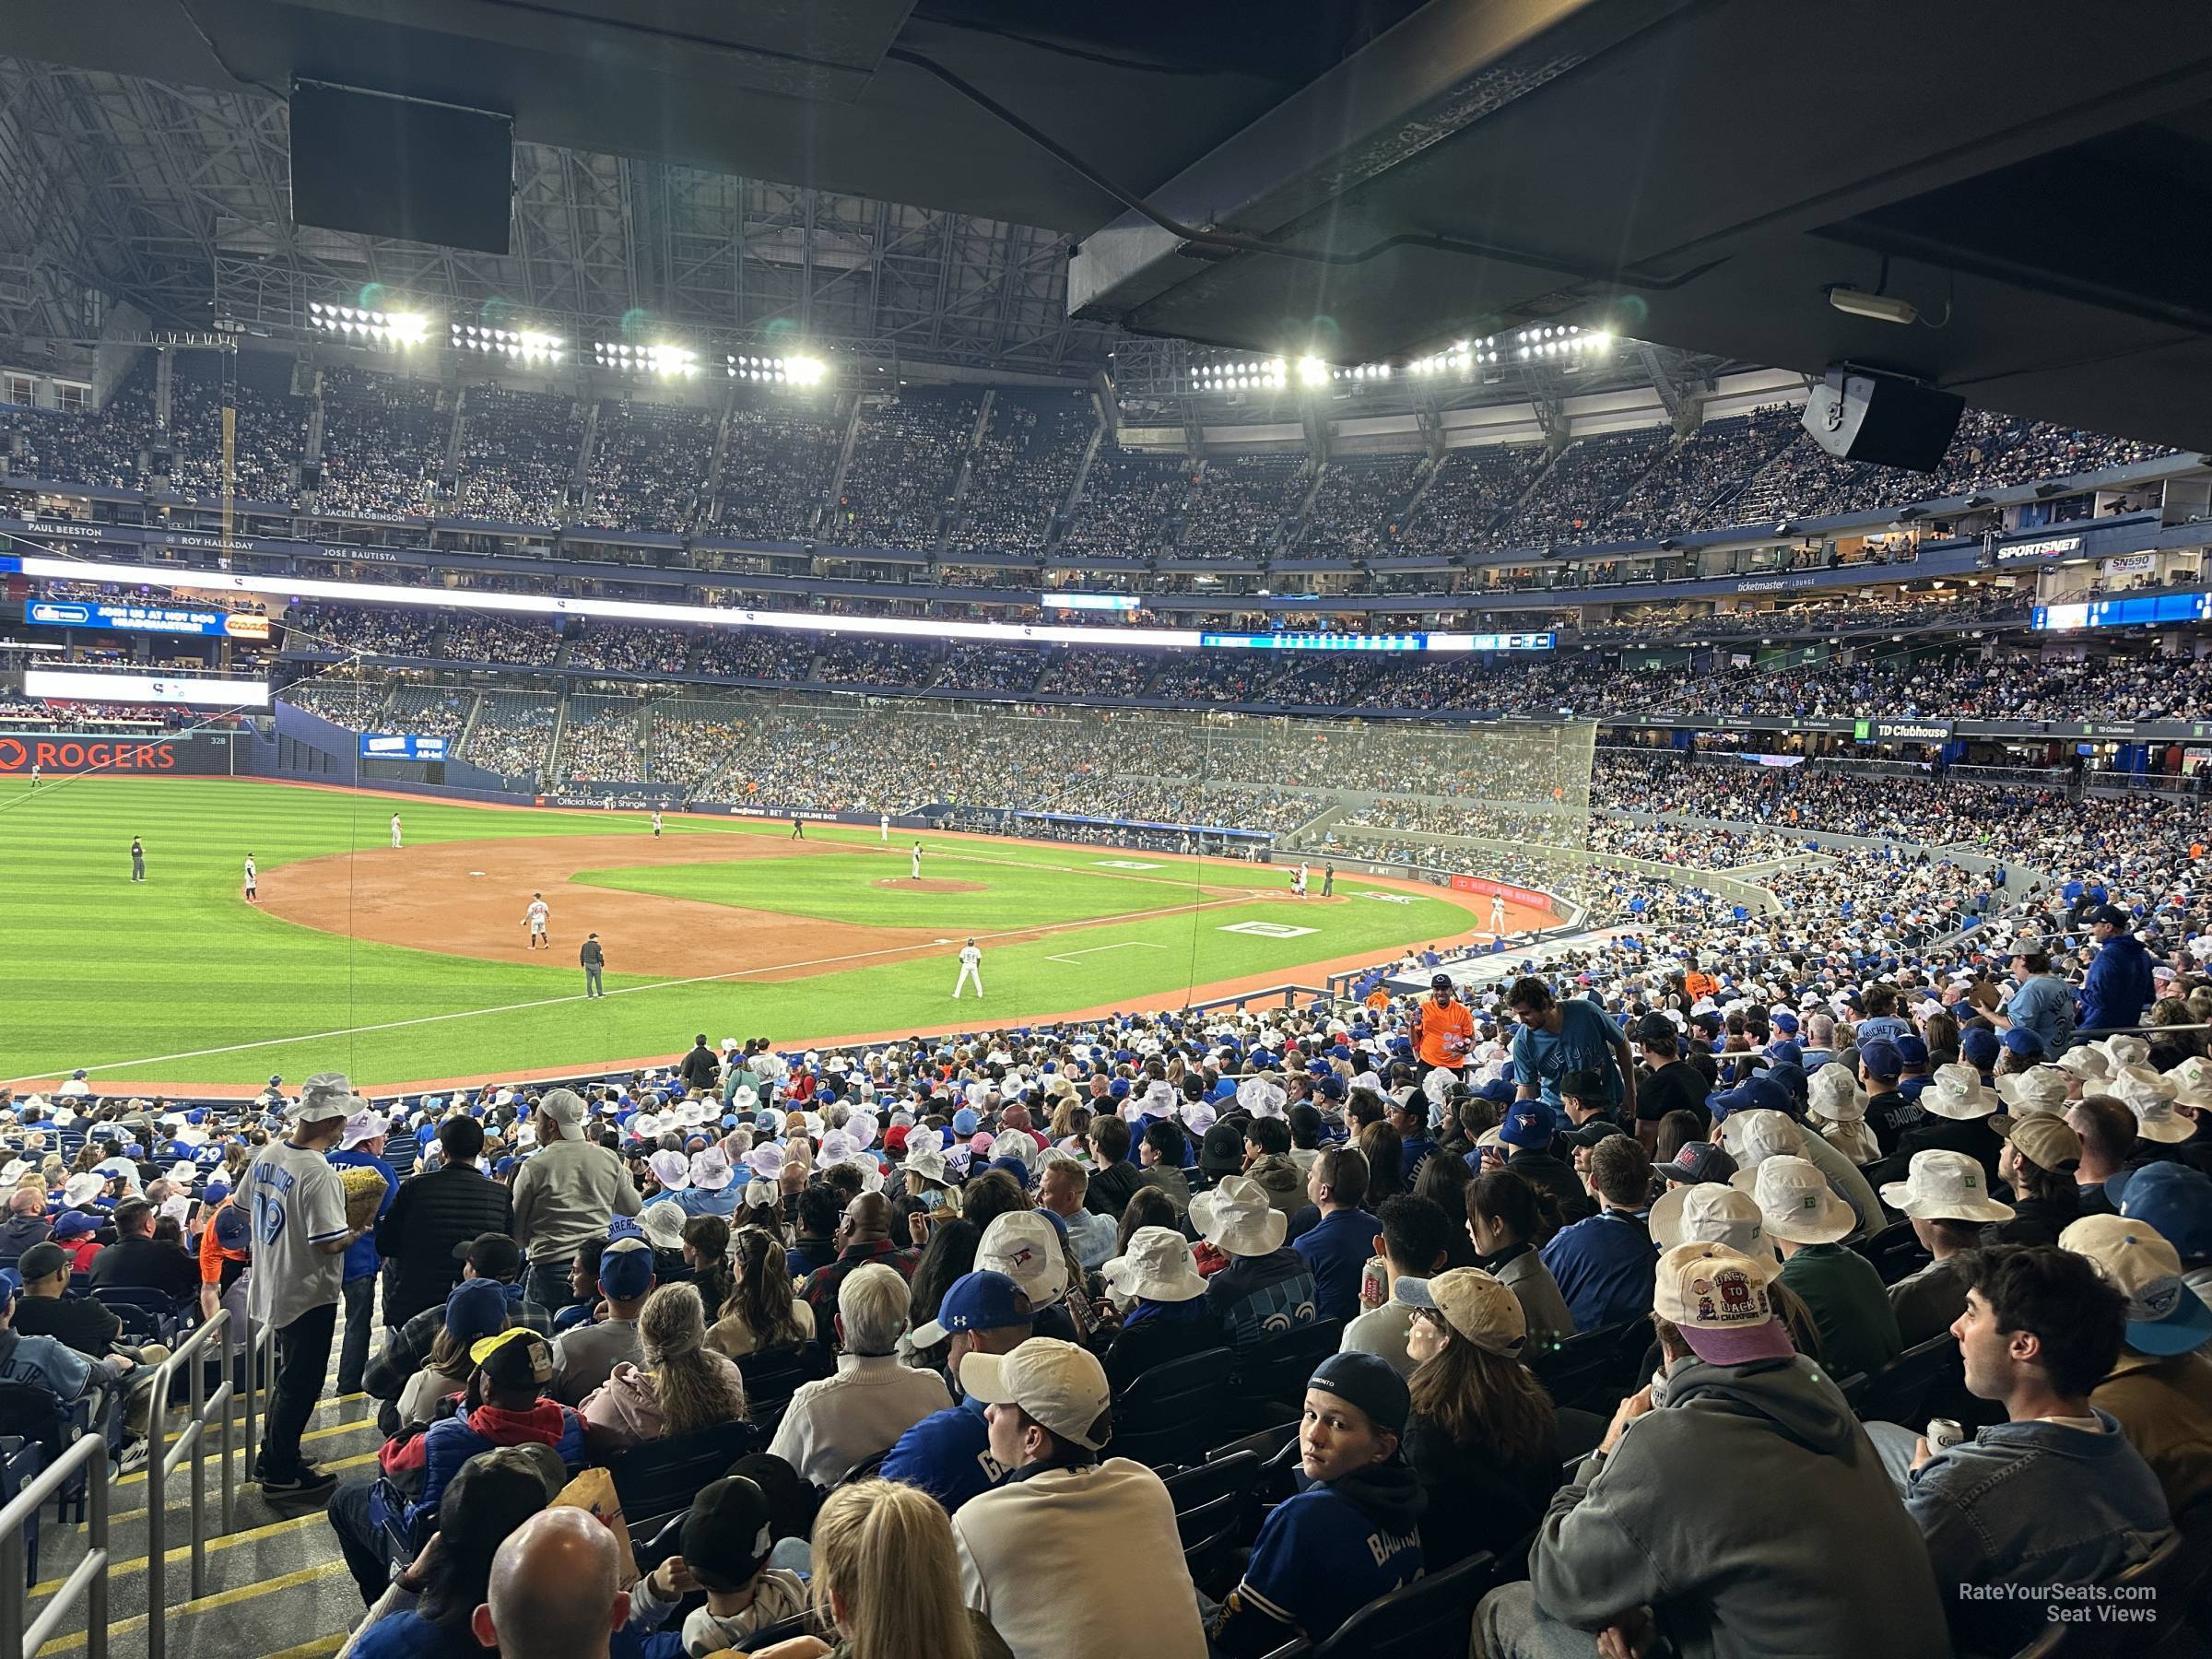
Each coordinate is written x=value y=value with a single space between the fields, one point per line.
x=1282 y=1181
x=1753 y=1516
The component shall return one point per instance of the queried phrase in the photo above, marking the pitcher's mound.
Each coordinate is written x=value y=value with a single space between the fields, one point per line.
x=903 y=884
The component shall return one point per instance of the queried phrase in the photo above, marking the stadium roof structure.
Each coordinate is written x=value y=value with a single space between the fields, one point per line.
x=1363 y=180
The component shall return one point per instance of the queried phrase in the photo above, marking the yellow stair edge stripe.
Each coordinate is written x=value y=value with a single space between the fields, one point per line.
x=117 y=1518
x=209 y=1604
x=183 y=1552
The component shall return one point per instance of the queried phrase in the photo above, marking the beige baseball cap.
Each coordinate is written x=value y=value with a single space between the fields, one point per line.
x=1060 y=1384
x=1474 y=1303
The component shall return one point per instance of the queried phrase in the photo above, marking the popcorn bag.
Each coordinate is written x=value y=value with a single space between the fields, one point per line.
x=593 y=1489
x=364 y=1191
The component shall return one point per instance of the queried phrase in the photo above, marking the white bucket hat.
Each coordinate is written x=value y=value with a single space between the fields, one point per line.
x=1796 y=1204
x=862 y=1127
x=17 y=1168
x=1016 y=1144
x=927 y=1161
x=711 y=1169
x=1198 y=1116
x=690 y=1115
x=662 y=1223
x=2085 y=1062
x=1026 y=1247
x=82 y=1188
x=1956 y=1092
x=837 y=1148
x=1752 y=1137
x=1236 y=1217
x=1157 y=1266
x=2122 y=1050
x=672 y=1170
x=1835 y=1096
x=2149 y=1096
x=1944 y=1186
x=761 y=1195
x=765 y=1160
x=183 y=1171
x=1710 y=1212
x=646 y=1125
x=1263 y=1096
x=2192 y=1081
x=2041 y=1089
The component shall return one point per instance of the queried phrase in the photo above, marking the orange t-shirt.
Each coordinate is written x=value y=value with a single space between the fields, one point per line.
x=213 y=1255
x=1377 y=998
x=1700 y=984
x=1447 y=1032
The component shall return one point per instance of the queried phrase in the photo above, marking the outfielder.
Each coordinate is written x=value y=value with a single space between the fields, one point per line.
x=252 y=891
x=917 y=861
x=656 y=823
x=972 y=970
x=535 y=919
x=395 y=829
x=137 y=859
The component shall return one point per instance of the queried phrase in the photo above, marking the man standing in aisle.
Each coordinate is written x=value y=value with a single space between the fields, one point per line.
x=299 y=1239
x=564 y=1195
x=917 y=861
x=594 y=961
x=395 y=831
x=534 y=918
x=972 y=969
x=137 y=859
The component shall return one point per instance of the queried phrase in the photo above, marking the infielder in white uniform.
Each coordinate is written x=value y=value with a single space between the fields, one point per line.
x=883 y=828
x=1498 y=912
x=971 y=971
x=1298 y=883
x=395 y=829
x=917 y=861
x=656 y=823
x=251 y=894
x=535 y=919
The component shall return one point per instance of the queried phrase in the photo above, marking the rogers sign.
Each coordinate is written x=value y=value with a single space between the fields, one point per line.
x=20 y=753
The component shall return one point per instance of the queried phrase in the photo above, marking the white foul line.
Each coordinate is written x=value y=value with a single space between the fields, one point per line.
x=1094 y=949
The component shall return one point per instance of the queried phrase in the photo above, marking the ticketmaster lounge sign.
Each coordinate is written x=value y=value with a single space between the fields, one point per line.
x=1901 y=731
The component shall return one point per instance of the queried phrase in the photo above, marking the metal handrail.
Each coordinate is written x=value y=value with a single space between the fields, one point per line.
x=257 y=1342
x=191 y=1442
x=90 y=1578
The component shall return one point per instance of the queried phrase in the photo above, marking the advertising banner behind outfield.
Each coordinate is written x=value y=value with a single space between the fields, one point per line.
x=400 y=745
x=66 y=754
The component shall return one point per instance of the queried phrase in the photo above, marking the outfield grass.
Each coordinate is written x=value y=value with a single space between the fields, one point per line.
x=179 y=980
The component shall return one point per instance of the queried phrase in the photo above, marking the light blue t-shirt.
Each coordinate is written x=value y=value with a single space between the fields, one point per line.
x=1584 y=1042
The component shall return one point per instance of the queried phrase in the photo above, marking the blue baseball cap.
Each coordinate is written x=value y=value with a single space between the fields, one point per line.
x=2020 y=1041
x=1528 y=1124
x=1910 y=1050
x=983 y=1300
x=233 y=1229
x=477 y=1307
x=2174 y=1200
x=966 y=1121
x=1786 y=1023
x=1880 y=1058
x=1979 y=1047
x=1786 y=1053
x=1761 y=1094
x=626 y=1269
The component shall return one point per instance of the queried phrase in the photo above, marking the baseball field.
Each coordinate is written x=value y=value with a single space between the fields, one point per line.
x=414 y=965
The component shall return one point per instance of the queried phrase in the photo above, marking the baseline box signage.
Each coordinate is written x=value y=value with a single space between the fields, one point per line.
x=400 y=745
x=1902 y=731
x=145 y=618
x=61 y=755
x=1519 y=895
